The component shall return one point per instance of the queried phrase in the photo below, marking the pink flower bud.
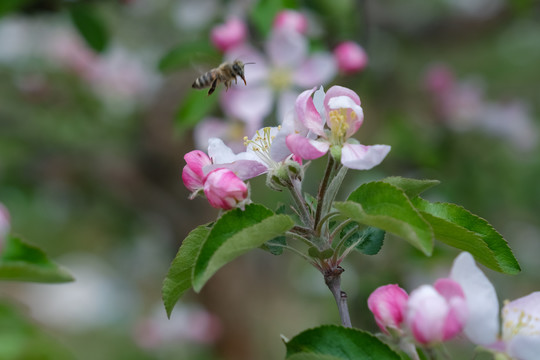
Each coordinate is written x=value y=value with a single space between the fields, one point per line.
x=436 y=314
x=439 y=79
x=290 y=19
x=227 y=36
x=192 y=174
x=4 y=224
x=350 y=57
x=224 y=190
x=388 y=303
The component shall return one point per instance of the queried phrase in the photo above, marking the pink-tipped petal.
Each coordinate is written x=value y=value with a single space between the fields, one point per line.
x=224 y=190
x=388 y=304
x=308 y=114
x=448 y=288
x=190 y=179
x=196 y=160
x=355 y=113
x=350 y=57
x=483 y=322
x=306 y=148
x=318 y=69
x=286 y=48
x=426 y=312
x=336 y=91
x=456 y=319
x=244 y=169
x=362 y=157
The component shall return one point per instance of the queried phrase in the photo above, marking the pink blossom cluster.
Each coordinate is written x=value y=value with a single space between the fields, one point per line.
x=5 y=225
x=465 y=302
x=320 y=123
x=275 y=76
x=462 y=106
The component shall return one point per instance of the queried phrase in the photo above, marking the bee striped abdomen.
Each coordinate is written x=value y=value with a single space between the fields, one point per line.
x=204 y=80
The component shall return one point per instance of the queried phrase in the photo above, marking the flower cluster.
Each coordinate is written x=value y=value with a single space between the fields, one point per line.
x=465 y=302
x=279 y=151
x=276 y=75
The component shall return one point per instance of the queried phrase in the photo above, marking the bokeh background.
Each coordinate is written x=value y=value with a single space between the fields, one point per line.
x=97 y=111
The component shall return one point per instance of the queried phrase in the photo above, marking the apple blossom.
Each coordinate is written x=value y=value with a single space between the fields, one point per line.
x=192 y=173
x=340 y=109
x=350 y=57
x=520 y=338
x=281 y=72
x=229 y=35
x=388 y=304
x=436 y=313
x=224 y=190
x=291 y=19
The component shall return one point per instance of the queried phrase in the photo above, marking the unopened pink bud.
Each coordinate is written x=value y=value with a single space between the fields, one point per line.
x=224 y=190
x=290 y=19
x=192 y=174
x=388 y=304
x=229 y=35
x=439 y=79
x=350 y=57
x=5 y=225
x=436 y=314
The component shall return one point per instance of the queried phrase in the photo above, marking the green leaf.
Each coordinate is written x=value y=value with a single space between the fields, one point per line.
x=195 y=106
x=411 y=187
x=371 y=242
x=178 y=279
x=234 y=234
x=337 y=342
x=22 y=339
x=7 y=6
x=188 y=54
x=384 y=206
x=20 y=261
x=459 y=228
x=263 y=14
x=90 y=25
x=274 y=246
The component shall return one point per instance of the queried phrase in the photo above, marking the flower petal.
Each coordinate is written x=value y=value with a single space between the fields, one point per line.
x=306 y=148
x=388 y=304
x=483 y=323
x=318 y=69
x=336 y=91
x=355 y=114
x=426 y=312
x=308 y=114
x=362 y=157
x=286 y=48
x=244 y=169
x=524 y=347
x=250 y=104
x=286 y=103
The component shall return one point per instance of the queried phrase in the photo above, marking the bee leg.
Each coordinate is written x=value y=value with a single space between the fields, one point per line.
x=235 y=81
x=213 y=87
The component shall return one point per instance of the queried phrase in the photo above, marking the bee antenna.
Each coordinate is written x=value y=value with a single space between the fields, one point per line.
x=249 y=63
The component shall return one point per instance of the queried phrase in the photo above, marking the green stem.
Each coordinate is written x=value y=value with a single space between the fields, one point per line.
x=322 y=191
x=339 y=228
x=301 y=238
x=299 y=253
x=343 y=240
x=324 y=220
x=296 y=193
x=332 y=278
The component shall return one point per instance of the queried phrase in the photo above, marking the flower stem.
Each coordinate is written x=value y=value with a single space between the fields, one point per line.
x=332 y=278
x=322 y=190
x=296 y=192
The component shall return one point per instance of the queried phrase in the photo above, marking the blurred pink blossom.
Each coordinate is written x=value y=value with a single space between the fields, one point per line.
x=229 y=35
x=187 y=324
x=350 y=57
x=291 y=19
x=192 y=173
x=463 y=107
x=5 y=225
x=280 y=73
x=520 y=338
x=437 y=313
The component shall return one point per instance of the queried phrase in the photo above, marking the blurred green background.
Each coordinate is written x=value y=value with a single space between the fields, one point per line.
x=90 y=164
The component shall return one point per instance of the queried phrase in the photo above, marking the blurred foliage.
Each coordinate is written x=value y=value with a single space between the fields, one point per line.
x=84 y=172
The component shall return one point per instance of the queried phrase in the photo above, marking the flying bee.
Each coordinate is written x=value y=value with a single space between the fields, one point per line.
x=225 y=74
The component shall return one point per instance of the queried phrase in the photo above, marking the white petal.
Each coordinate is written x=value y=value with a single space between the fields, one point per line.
x=482 y=326
x=286 y=48
x=362 y=157
x=524 y=347
x=318 y=69
x=251 y=104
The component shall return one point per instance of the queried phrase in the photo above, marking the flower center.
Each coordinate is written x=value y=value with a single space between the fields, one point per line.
x=260 y=145
x=280 y=79
x=339 y=124
x=526 y=324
